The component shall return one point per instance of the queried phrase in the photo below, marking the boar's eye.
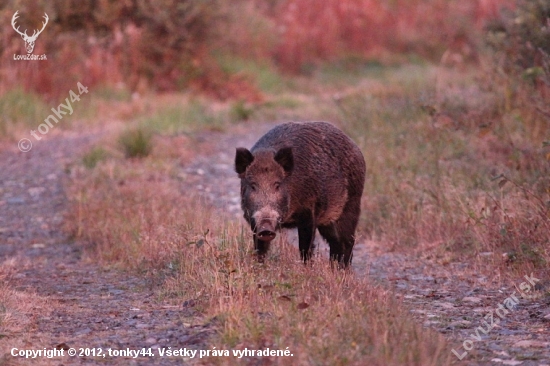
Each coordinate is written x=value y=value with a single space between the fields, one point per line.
x=277 y=185
x=254 y=186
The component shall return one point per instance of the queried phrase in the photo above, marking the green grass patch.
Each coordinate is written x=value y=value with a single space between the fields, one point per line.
x=266 y=76
x=19 y=108
x=187 y=117
x=112 y=93
x=94 y=156
x=240 y=111
x=135 y=143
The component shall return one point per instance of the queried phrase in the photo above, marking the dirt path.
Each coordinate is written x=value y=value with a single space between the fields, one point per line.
x=96 y=307
x=88 y=306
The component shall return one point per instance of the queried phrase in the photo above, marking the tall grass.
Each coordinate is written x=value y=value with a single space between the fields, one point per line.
x=449 y=168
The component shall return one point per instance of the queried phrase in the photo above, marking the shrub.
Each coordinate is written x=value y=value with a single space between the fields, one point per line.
x=136 y=143
x=520 y=41
x=522 y=38
x=142 y=43
x=94 y=156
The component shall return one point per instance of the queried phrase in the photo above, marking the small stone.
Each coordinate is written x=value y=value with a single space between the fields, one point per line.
x=531 y=343
x=445 y=305
x=512 y=362
x=471 y=299
x=183 y=339
x=15 y=200
x=84 y=331
x=150 y=341
x=130 y=323
x=35 y=192
x=460 y=324
x=506 y=362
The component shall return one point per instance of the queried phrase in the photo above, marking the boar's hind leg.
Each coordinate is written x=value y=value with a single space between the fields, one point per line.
x=306 y=235
x=341 y=234
x=261 y=248
x=347 y=223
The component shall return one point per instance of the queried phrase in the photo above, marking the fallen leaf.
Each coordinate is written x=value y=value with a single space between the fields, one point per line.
x=303 y=305
x=64 y=346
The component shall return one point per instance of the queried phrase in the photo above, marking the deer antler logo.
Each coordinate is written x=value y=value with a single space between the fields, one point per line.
x=29 y=41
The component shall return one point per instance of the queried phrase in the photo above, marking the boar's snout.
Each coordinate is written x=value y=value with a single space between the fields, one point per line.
x=266 y=231
x=265 y=224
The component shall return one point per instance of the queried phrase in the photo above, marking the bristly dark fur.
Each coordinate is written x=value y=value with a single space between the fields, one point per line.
x=311 y=176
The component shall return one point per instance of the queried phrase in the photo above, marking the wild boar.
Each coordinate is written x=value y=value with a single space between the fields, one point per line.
x=308 y=175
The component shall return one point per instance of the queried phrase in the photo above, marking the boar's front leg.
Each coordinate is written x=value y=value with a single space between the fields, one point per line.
x=306 y=235
x=330 y=234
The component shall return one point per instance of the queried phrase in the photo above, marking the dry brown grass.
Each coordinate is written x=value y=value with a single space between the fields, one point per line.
x=138 y=214
x=452 y=166
x=18 y=312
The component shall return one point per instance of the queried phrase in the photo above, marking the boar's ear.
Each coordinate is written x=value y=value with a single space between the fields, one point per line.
x=285 y=158
x=243 y=158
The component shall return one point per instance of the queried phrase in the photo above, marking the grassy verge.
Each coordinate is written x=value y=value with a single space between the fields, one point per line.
x=451 y=168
